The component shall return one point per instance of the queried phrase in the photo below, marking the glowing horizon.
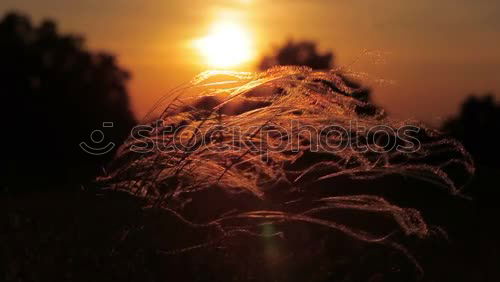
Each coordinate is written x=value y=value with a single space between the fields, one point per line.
x=449 y=54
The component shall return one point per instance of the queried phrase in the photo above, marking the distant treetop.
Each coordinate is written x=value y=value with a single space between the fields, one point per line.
x=301 y=53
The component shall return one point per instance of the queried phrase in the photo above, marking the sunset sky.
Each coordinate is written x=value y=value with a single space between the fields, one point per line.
x=431 y=54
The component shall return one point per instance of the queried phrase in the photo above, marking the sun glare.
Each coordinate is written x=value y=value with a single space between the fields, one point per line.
x=227 y=45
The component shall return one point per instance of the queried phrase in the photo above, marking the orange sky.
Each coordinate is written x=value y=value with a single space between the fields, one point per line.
x=435 y=52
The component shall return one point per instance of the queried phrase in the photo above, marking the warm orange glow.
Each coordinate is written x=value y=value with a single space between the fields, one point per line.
x=228 y=44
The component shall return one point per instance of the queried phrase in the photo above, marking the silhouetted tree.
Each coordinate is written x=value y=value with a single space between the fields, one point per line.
x=477 y=126
x=54 y=94
x=302 y=53
x=305 y=53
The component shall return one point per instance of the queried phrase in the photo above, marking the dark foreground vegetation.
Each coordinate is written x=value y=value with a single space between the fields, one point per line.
x=107 y=236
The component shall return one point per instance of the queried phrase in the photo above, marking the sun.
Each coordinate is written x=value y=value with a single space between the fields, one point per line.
x=227 y=45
